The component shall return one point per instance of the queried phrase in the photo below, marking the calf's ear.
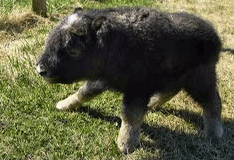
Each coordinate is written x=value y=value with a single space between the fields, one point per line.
x=97 y=23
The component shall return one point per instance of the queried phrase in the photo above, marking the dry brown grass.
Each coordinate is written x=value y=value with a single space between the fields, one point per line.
x=13 y=24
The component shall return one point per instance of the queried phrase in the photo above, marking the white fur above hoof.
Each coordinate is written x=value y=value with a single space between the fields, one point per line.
x=217 y=133
x=68 y=103
x=128 y=139
x=214 y=128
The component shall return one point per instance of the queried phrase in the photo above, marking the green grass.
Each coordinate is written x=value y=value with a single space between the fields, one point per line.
x=31 y=127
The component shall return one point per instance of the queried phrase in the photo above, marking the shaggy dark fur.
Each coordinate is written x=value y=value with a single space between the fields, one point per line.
x=139 y=52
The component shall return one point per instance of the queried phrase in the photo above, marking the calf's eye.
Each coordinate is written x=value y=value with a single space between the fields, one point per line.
x=74 y=52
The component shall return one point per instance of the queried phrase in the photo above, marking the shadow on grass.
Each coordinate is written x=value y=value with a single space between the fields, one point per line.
x=229 y=50
x=172 y=144
x=185 y=114
x=95 y=114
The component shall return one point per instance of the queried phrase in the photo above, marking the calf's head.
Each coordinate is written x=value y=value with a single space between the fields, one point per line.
x=70 y=53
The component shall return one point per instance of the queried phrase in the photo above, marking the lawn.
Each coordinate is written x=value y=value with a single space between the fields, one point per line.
x=32 y=128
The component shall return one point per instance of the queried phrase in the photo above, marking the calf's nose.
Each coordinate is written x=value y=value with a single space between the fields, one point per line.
x=41 y=70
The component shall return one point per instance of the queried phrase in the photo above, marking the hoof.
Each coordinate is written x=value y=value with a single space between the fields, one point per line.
x=68 y=103
x=127 y=147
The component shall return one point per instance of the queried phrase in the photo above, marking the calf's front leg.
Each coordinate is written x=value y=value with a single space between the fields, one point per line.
x=132 y=116
x=89 y=90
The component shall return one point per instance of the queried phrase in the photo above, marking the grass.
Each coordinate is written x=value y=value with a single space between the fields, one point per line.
x=31 y=127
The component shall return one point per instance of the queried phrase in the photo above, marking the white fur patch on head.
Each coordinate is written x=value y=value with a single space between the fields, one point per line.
x=71 y=19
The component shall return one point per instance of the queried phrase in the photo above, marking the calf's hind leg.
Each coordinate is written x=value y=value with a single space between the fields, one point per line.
x=158 y=99
x=202 y=87
x=89 y=90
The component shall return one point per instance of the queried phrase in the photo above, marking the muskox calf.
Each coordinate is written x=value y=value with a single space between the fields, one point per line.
x=140 y=52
